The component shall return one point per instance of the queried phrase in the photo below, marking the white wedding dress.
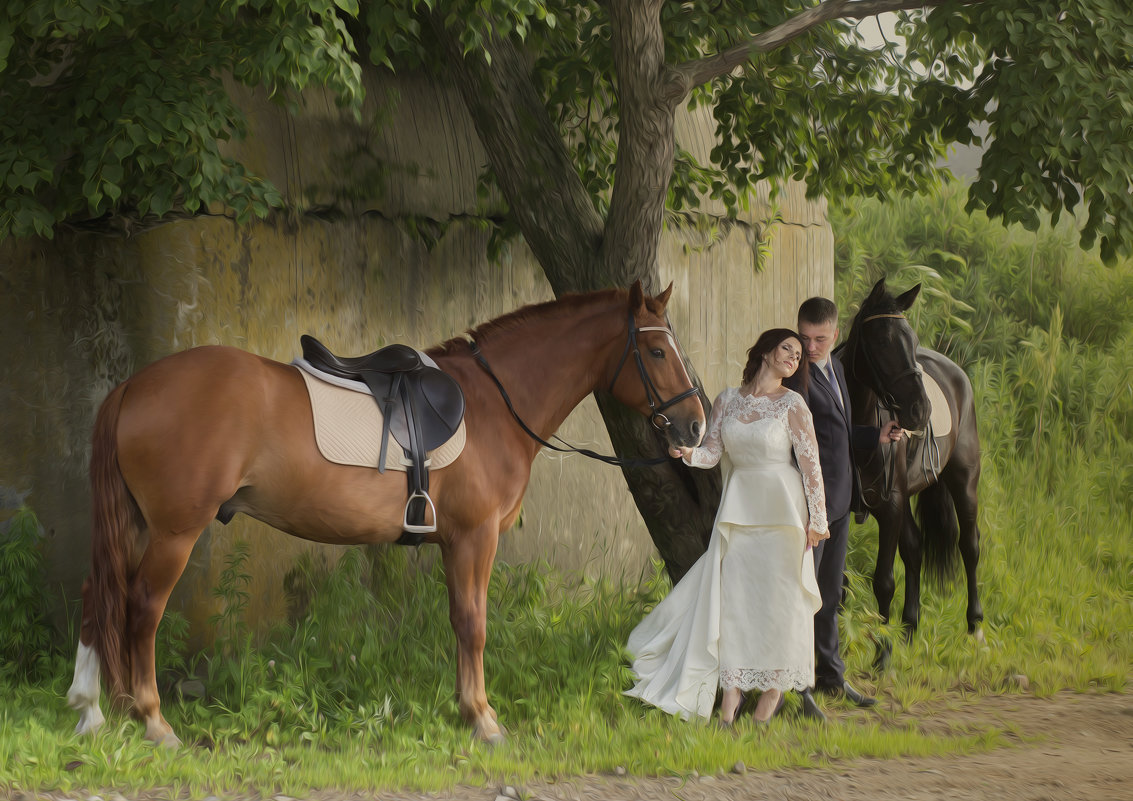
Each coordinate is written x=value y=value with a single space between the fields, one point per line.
x=743 y=615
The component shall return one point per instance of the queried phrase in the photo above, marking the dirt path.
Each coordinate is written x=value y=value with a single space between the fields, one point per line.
x=1067 y=748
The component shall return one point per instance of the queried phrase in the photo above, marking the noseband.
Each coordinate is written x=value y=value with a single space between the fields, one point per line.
x=656 y=405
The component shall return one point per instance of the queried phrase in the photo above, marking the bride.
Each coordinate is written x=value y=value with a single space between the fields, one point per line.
x=742 y=618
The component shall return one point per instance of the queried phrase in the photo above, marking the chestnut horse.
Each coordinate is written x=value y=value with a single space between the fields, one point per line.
x=216 y=426
x=884 y=374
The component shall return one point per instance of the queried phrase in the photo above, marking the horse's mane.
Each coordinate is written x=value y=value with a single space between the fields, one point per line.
x=567 y=303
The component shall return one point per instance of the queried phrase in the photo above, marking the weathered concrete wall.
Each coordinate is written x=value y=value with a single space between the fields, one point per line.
x=402 y=258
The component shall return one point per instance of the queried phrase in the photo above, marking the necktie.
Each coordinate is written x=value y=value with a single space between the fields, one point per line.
x=834 y=382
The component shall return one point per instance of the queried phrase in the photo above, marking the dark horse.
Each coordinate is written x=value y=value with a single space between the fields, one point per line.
x=218 y=427
x=884 y=367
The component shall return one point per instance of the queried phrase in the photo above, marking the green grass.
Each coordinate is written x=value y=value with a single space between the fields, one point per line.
x=355 y=694
x=363 y=701
x=311 y=716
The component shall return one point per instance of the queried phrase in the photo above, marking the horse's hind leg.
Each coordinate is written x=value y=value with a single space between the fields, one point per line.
x=962 y=486
x=162 y=564
x=85 y=689
x=468 y=568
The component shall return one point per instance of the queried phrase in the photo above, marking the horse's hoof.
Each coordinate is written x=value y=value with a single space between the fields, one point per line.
x=493 y=736
x=90 y=721
x=161 y=734
x=881 y=660
x=978 y=634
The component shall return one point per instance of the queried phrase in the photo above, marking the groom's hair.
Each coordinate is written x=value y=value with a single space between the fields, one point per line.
x=817 y=311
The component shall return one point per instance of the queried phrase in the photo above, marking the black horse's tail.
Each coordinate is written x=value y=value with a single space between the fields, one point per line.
x=936 y=516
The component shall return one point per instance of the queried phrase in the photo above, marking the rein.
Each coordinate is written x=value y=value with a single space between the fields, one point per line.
x=656 y=407
x=930 y=451
x=930 y=459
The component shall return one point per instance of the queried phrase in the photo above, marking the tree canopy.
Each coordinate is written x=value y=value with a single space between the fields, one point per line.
x=113 y=111
x=116 y=108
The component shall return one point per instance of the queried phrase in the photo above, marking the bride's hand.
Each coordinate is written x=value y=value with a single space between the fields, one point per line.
x=813 y=538
x=681 y=452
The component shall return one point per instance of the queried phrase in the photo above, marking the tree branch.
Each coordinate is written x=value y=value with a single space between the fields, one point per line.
x=695 y=73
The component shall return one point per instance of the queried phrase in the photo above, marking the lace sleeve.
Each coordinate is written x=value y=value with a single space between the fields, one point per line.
x=801 y=425
x=711 y=447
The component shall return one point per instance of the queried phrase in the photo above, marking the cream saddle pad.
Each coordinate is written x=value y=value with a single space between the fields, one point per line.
x=348 y=426
x=941 y=416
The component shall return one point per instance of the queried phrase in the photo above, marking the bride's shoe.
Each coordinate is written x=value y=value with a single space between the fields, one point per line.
x=725 y=725
x=774 y=712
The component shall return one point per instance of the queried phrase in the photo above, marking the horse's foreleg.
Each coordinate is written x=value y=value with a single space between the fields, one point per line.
x=468 y=567
x=164 y=561
x=909 y=546
x=884 y=586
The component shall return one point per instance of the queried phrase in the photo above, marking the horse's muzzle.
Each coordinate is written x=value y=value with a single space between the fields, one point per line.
x=681 y=434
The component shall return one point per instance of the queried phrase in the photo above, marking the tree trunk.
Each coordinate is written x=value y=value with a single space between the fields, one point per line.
x=646 y=140
x=577 y=253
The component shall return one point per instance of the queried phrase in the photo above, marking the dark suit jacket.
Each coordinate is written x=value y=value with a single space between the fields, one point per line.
x=837 y=437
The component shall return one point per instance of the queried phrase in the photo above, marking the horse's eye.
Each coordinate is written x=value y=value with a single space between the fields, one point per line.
x=658 y=353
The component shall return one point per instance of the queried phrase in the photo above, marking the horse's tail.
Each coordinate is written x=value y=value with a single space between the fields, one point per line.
x=936 y=516
x=114 y=529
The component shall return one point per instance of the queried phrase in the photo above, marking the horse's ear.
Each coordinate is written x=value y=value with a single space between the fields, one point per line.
x=905 y=299
x=663 y=298
x=636 y=296
x=878 y=288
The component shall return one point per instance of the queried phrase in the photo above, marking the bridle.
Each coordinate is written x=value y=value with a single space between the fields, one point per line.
x=656 y=404
x=885 y=396
x=930 y=453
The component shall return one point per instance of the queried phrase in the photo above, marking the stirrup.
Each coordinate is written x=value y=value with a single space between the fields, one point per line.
x=424 y=528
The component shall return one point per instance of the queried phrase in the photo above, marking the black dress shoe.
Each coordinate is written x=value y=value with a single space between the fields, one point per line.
x=811 y=708
x=850 y=694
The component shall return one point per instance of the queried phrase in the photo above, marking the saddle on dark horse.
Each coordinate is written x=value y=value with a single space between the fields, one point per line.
x=421 y=406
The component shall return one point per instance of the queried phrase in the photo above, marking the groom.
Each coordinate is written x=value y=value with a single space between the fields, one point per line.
x=829 y=404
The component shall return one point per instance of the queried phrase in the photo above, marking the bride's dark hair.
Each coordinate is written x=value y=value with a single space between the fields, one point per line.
x=767 y=342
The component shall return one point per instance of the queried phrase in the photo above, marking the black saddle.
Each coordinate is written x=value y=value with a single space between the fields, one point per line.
x=422 y=407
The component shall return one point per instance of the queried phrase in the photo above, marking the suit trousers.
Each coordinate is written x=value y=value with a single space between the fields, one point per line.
x=829 y=570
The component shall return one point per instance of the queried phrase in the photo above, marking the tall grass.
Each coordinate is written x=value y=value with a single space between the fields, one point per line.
x=355 y=692
x=26 y=646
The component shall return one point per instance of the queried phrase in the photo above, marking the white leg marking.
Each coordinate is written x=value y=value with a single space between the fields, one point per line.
x=85 y=689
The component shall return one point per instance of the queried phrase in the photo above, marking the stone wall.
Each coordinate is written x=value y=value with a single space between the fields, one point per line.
x=388 y=243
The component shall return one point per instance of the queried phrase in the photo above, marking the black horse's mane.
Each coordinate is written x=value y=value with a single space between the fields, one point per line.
x=567 y=303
